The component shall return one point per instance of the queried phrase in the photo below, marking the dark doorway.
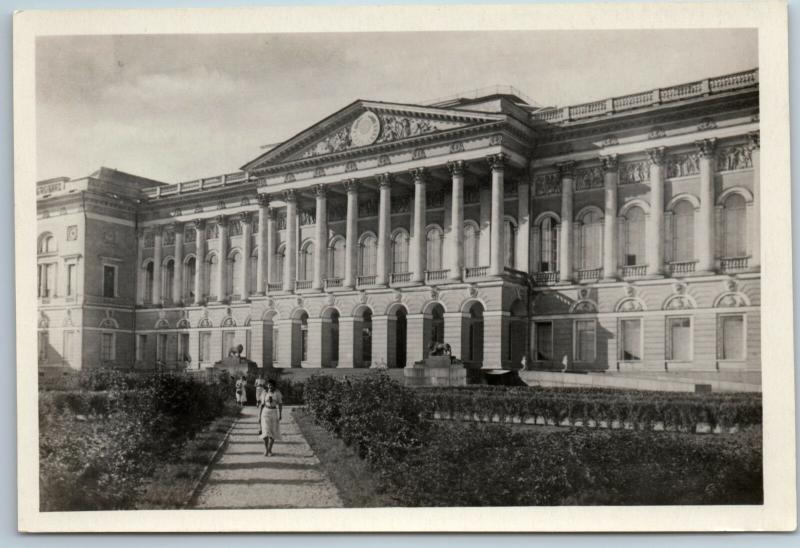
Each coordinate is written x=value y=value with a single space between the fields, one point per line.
x=401 y=326
x=474 y=345
x=366 y=339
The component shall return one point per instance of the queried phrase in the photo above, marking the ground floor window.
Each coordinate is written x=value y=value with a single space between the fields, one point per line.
x=730 y=337
x=679 y=339
x=183 y=348
x=630 y=344
x=228 y=338
x=161 y=347
x=106 y=346
x=543 y=340
x=585 y=338
x=205 y=347
x=275 y=339
x=141 y=346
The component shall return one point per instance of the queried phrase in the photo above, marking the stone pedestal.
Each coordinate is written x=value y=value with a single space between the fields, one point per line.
x=436 y=371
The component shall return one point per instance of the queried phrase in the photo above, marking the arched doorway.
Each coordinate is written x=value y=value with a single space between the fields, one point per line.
x=433 y=327
x=303 y=337
x=366 y=338
x=515 y=346
x=401 y=329
x=330 y=338
x=473 y=341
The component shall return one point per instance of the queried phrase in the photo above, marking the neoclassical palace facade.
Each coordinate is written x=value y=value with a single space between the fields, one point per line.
x=612 y=235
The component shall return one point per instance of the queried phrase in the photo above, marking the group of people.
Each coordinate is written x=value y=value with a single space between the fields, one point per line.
x=270 y=409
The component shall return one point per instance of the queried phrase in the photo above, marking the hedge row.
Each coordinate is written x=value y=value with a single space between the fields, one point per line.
x=425 y=463
x=96 y=448
x=643 y=409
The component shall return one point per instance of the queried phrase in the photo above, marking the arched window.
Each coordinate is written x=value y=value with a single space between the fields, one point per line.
x=148 y=282
x=633 y=244
x=167 y=278
x=400 y=252
x=306 y=266
x=189 y=272
x=734 y=222
x=280 y=259
x=590 y=240
x=472 y=242
x=210 y=288
x=435 y=239
x=548 y=245
x=253 y=274
x=235 y=274
x=336 y=258
x=47 y=244
x=683 y=232
x=368 y=255
x=510 y=228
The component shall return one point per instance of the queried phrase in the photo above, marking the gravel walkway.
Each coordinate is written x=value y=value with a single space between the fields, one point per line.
x=244 y=478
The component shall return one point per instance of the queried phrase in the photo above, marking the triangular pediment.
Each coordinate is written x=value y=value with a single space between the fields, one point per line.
x=366 y=124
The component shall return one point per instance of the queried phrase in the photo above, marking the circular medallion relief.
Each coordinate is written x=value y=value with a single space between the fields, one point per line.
x=365 y=129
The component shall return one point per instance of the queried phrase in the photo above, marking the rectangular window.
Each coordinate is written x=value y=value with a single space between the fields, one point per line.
x=543 y=341
x=228 y=338
x=107 y=346
x=630 y=346
x=68 y=345
x=72 y=279
x=141 y=347
x=730 y=338
x=109 y=281
x=679 y=339
x=47 y=280
x=183 y=348
x=275 y=338
x=161 y=347
x=205 y=347
x=585 y=340
x=44 y=342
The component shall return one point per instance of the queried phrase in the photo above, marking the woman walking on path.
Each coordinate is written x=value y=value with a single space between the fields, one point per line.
x=241 y=391
x=270 y=414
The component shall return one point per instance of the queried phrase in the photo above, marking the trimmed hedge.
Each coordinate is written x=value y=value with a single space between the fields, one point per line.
x=643 y=409
x=96 y=448
x=425 y=463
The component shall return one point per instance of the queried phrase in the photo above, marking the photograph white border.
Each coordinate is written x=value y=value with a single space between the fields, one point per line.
x=778 y=513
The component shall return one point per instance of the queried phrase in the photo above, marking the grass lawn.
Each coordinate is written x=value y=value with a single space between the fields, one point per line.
x=173 y=484
x=357 y=485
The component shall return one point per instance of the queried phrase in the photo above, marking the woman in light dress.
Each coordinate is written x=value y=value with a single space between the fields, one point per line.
x=270 y=413
x=260 y=382
x=241 y=391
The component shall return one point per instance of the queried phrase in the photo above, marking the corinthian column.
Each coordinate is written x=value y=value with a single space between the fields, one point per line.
x=704 y=224
x=263 y=253
x=351 y=233
x=567 y=171
x=498 y=247
x=222 y=263
x=610 y=182
x=290 y=264
x=247 y=250
x=418 y=247
x=384 y=227
x=321 y=238
x=456 y=243
x=177 y=281
x=754 y=222
x=199 y=261
x=157 y=266
x=655 y=225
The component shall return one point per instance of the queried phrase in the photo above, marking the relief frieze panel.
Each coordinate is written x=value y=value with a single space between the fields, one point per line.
x=307 y=217
x=683 y=165
x=401 y=204
x=547 y=184
x=634 y=172
x=589 y=178
x=734 y=158
x=189 y=234
x=368 y=208
x=434 y=199
x=280 y=220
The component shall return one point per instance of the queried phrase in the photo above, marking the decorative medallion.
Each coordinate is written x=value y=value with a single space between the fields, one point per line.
x=729 y=285
x=270 y=303
x=458 y=146
x=398 y=296
x=289 y=178
x=350 y=166
x=362 y=298
x=496 y=140
x=630 y=291
x=331 y=300
x=434 y=294
x=365 y=129
x=583 y=293
x=299 y=301
x=72 y=233
x=679 y=288
x=383 y=160
x=472 y=291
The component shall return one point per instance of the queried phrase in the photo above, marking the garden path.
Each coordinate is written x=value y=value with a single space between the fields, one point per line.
x=244 y=478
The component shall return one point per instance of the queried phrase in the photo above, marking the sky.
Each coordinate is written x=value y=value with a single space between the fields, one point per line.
x=180 y=107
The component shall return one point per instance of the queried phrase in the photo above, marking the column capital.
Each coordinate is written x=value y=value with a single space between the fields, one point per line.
x=290 y=196
x=320 y=191
x=610 y=162
x=456 y=168
x=497 y=162
x=705 y=147
x=566 y=169
x=418 y=174
x=263 y=200
x=351 y=185
x=656 y=155
x=385 y=179
x=754 y=139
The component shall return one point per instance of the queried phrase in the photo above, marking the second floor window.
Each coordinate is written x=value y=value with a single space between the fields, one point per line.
x=336 y=258
x=683 y=232
x=548 y=245
x=435 y=238
x=109 y=281
x=47 y=280
x=633 y=244
x=734 y=221
x=589 y=245
x=368 y=255
x=400 y=252
x=472 y=241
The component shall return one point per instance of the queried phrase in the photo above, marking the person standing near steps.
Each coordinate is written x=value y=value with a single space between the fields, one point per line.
x=270 y=407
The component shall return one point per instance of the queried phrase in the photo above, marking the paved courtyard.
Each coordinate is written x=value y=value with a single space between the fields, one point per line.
x=244 y=478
